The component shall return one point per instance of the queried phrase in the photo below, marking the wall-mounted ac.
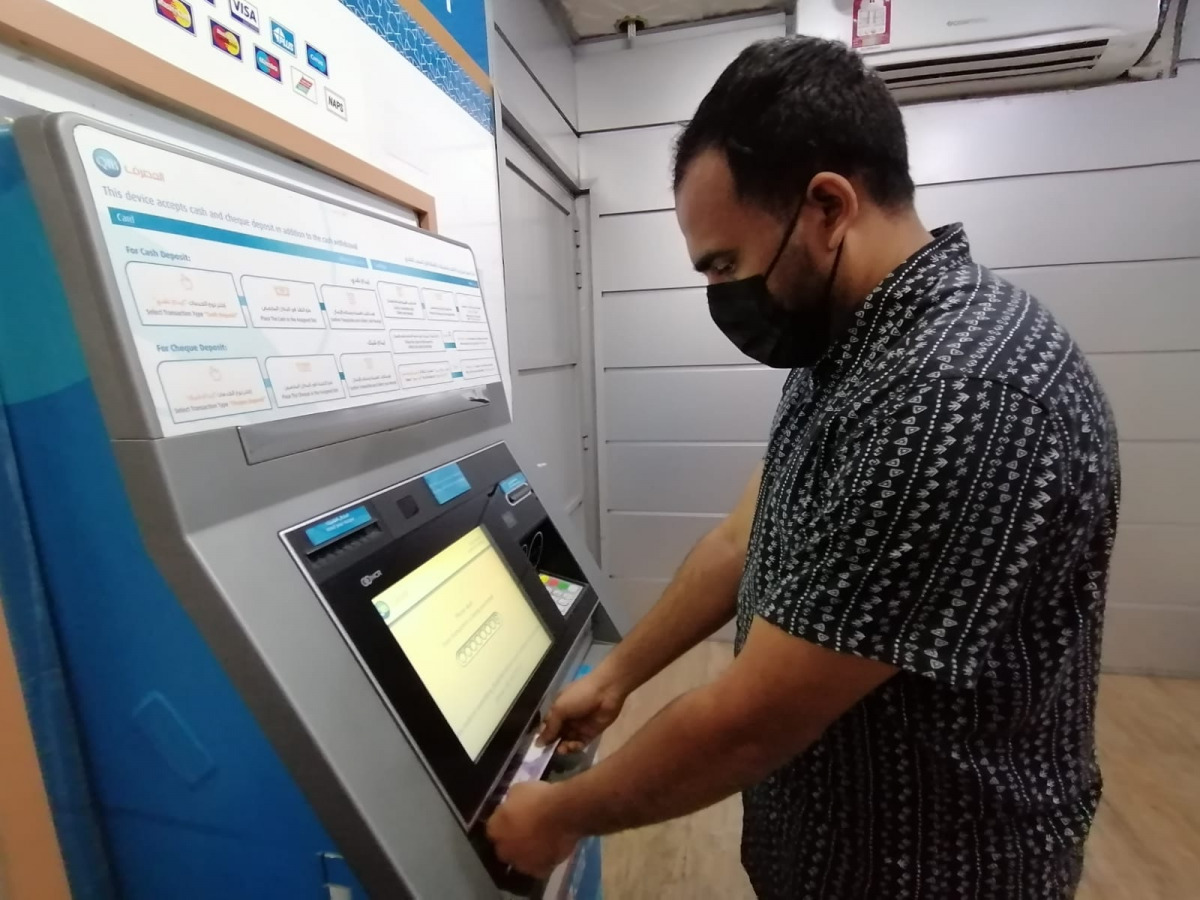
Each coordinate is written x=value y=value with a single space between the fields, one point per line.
x=952 y=48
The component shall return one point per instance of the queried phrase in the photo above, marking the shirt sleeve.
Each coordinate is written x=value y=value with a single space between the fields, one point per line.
x=929 y=526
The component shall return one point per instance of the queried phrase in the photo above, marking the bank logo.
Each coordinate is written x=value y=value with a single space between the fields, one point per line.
x=226 y=40
x=268 y=64
x=335 y=103
x=303 y=85
x=283 y=38
x=177 y=11
x=246 y=13
x=106 y=162
x=317 y=59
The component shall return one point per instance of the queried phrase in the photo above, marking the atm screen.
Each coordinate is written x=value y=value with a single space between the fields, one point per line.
x=465 y=624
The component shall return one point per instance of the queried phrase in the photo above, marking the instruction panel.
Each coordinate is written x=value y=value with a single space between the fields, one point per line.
x=249 y=302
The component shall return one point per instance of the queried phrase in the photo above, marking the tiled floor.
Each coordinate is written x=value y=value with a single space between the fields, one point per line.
x=1145 y=844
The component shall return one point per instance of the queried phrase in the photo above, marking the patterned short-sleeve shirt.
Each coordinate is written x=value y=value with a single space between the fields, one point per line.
x=939 y=493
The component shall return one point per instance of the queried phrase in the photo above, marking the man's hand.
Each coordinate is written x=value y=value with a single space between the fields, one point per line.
x=582 y=711
x=529 y=830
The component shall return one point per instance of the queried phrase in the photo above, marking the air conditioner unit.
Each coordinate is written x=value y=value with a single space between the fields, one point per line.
x=952 y=48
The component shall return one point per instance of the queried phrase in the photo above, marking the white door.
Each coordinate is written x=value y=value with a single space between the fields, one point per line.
x=542 y=295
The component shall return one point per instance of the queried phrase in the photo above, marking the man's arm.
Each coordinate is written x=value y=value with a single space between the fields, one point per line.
x=777 y=698
x=700 y=599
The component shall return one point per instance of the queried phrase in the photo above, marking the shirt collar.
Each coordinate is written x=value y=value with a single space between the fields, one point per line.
x=889 y=309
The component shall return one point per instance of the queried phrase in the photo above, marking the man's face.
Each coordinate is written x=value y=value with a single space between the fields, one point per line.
x=729 y=238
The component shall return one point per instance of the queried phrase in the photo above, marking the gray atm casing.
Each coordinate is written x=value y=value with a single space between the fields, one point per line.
x=211 y=520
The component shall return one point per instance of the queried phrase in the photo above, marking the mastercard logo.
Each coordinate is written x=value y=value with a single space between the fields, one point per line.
x=226 y=40
x=176 y=11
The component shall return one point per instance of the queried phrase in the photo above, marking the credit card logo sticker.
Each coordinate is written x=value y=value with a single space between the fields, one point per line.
x=106 y=162
x=283 y=38
x=317 y=59
x=226 y=40
x=177 y=11
x=246 y=13
x=335 y=103
x=268 y=64
x=303 y=85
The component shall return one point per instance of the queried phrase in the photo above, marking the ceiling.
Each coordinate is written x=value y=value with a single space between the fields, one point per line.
x=598 y=18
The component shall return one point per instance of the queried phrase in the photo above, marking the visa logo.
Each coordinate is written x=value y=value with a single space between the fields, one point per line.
x=317 y=59
x=246 y=13
x=283 y=38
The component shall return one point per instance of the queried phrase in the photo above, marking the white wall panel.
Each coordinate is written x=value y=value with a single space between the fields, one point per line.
x=1132 y=124
x=686 y=478
x=1155 y=565
x=1155 y=640
x=539 y=278
x=1154 y=396
x=652 y=546
x=735 y=404
x=520 y=93
x=664 y=77
x=643 y=251
x=638 y=595
x=539 y=41
x=1122 y=307
x=1160 y=483
x=662 y=328
x=629 y=170
x=963 y=141
x=547 y=412
x=1129 y=214
x=1189 y=47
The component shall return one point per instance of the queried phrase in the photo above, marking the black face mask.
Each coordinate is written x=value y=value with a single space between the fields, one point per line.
x=783 y=337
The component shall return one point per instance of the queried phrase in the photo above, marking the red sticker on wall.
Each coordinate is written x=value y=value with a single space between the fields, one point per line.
x=872 y=24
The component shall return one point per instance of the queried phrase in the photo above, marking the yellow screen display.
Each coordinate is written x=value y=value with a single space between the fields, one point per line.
x=465 y=625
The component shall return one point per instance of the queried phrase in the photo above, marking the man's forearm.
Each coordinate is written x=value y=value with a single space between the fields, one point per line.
x=700 y=599
x=690 y=756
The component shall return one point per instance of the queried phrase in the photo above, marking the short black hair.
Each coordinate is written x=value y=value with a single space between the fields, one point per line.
x=790 y=107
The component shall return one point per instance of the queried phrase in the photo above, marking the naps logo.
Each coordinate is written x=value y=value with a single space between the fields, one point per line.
x=106 y=162
x=224 y=39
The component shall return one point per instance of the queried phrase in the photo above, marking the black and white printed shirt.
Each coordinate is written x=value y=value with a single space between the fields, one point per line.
x=940 y=493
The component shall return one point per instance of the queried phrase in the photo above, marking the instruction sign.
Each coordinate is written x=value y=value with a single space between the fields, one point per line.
x=249 y=302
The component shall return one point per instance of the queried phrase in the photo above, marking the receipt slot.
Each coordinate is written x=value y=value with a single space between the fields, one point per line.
x=309 y=605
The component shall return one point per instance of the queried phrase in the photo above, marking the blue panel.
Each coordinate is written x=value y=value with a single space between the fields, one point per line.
x=173 y=738
x=335 y=527
x=447 y=483
x=466 y=20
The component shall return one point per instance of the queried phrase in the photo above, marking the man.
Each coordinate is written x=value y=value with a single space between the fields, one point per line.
x=918 y=571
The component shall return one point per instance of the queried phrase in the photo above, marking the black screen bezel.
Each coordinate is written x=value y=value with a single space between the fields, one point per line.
x=466 y=782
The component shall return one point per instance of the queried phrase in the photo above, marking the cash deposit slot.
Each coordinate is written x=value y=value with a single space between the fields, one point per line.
x=340 y=602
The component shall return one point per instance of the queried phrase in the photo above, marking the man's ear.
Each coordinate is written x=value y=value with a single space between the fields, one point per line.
x=837 y=200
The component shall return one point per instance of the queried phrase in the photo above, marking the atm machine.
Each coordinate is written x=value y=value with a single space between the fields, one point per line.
x=309 y=606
